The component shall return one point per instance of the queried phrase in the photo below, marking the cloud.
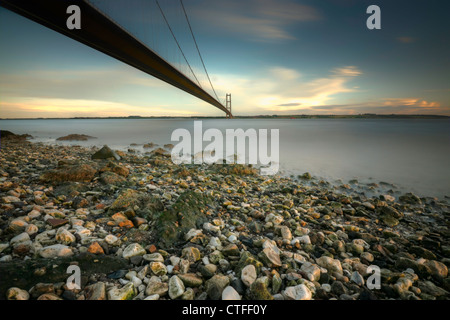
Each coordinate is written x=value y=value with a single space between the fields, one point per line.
x=349 y=71
x=53 y=108
x=281 y=89
x=261 y=20
x=289 y=105
x=94 y=84
x=415 y=102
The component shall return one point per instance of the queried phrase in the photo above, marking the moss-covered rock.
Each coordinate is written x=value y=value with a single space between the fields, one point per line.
x=144 y=205
x=259 y=289
x=70 y=172
x=186 y=213
x=246 y=259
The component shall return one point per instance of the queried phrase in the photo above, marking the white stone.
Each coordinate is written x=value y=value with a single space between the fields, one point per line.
x=6 y=258
x=210 y=228
x=20 y=238
x=248 y=275
x=326 y=287
x=299 y=292
x=332 y=265
x=111 y=239
x=176 y=287
x=64 y=236
x=152 y=297
x=215 y=243
x=311 y=271
x=229 y=293
x=286 y=233
x=134 y=249
x=56 y=250
x=192 y=234
x=153 y=257
x=31 y=229
x=3 y=246
x=128 y=292
x=17 y=294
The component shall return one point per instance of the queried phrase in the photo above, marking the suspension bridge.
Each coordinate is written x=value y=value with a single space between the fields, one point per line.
x=141 y=33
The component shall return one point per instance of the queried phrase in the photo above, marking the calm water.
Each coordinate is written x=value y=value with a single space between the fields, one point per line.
x=414 y=155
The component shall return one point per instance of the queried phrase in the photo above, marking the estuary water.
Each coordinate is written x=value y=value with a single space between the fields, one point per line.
x=400 y=155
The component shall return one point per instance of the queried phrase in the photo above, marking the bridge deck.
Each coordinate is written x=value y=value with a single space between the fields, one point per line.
x=103 y=34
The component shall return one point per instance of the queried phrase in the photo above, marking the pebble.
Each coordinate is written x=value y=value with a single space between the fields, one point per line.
x=132 y=250
x=56 y=250
x=248 y=275
x=176 y=287
x=229 y=293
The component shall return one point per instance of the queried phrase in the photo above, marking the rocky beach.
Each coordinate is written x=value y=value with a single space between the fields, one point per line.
x=139 y=227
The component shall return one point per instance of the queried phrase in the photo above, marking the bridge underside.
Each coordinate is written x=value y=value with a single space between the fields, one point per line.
x=103 y=34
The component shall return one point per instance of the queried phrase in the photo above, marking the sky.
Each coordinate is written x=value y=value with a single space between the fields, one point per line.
x=274 y=57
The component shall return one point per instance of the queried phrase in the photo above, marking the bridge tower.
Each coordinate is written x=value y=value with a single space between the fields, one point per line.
x=228 y=105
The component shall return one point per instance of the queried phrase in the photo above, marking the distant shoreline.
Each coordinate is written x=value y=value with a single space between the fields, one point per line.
x=359 y=116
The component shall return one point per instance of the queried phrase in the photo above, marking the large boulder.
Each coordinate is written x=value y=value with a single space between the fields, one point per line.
x=186 y=213
x=70 y=172
x=105 y=153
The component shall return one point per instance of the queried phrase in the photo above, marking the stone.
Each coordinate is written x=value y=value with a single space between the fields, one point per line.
x=96 y=291
x=132 y=250
x=127 y=292
x=192 y=234
x=111 y=178
x=23 y=237
x=248 y=275
x=270 y=257
x=105 y=153
x=311 y=271
x=64 y=236
x=338 y=288
x=231 y=250
x=215 y=256
x=229 y=293
x=189 y=294
x=299 y=292
x=56 y=250
x=55 y=223
x=438 y=270
x=332 y=265
x=49 y=296
x=216 y=285
x=192 y=254
x=430 y=288
x=73 y=172
x=246 y=259
x=208 y=270
x=389 y=220
x=95 y=248
x=176 y=287
x=259 y=290
x=158 y=268
x=156 y=286
x=410 y=198
x=153 y=257
x=357 y=278
x=111 y=240
x=75 y=137
x=191 y=279
x=286 y=233
x=17 y=294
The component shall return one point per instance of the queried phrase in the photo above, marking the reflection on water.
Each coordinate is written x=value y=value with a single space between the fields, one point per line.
x=412 y=154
